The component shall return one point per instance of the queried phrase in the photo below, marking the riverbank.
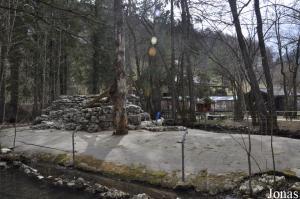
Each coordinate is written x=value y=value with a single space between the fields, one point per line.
x=71 y=180
x=46 y=174
x=215 y=163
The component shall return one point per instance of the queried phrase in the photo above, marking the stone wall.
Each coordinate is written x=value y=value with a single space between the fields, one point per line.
x=68 y=112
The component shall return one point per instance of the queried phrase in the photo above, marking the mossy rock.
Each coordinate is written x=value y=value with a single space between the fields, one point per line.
x=296 y=187
x=62 y=159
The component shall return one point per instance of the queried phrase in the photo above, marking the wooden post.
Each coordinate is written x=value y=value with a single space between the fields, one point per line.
x=15 y=135
x=182 y=156
x=73 y=148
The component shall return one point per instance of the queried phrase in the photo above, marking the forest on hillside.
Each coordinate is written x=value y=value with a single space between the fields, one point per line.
x=53 y=47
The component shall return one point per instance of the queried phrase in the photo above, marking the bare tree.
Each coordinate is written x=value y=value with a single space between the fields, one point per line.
x=172 y=79
x=248 y=63
x=119 y=89
x=266 y=68
x=6 y=43
x=96 y=54
x=186 y=60
x=282 y=67
x=295 y=74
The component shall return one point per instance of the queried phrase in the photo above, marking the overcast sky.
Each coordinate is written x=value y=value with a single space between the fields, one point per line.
x=216 y=15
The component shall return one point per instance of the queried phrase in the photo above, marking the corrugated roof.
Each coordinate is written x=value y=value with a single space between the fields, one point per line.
x=221 y=98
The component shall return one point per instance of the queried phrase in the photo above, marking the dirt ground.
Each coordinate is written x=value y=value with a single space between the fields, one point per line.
x=214 y=152
x=289 y=125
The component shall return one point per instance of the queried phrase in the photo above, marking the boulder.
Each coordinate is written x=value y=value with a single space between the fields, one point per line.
x=134 y=119
x=98 y=188
x=3 y=165
x=145 y=124
x=93 y=128
x=133 y=109
x=257 y=187
x=40 y=177
x=141 y=196
x=114 y=194
x=58 y=182
x=295 y=187
x=269 y=179
x=80 y=183
x=5 y=150
x=296 y=171
x=71 y=184
x=70 y=126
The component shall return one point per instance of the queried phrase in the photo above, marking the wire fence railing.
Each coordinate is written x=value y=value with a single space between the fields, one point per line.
x=281 y=115
x=16 y=137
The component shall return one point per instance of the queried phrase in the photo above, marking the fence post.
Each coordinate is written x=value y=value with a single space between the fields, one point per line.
x=73 y=144
x=182 y=155
x=205 y=121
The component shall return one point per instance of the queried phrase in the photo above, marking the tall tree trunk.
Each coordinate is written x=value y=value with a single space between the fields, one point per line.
x=186 y=23
x=15 y=62
x=155 y=87
x=172 y=79
x=96 y=54
x=238 y=103
x=182 y=89
x=65 y=74
x=259 y=101
x=51 y=69
x=95 y=65
x=266 y=68
x=295 y=73
x=37 y=62
x=279 y=46
x=52 y=58
x=119 y=89
x=272 y=118
x=36 y=78
x=58 y=81
x=43 y=74
x=3 y=67
x=135 y=50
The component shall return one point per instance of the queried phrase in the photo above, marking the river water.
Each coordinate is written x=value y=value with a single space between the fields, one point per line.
x=16 y=185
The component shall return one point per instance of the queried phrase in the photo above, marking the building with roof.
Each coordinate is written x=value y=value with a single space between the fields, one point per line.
x=222 y=103
x=209 y=104
x=279 y=98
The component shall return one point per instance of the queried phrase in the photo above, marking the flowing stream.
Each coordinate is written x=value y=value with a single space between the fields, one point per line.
x=14 y=185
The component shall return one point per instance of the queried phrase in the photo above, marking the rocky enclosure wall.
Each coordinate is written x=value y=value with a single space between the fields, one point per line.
x=68 y=112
